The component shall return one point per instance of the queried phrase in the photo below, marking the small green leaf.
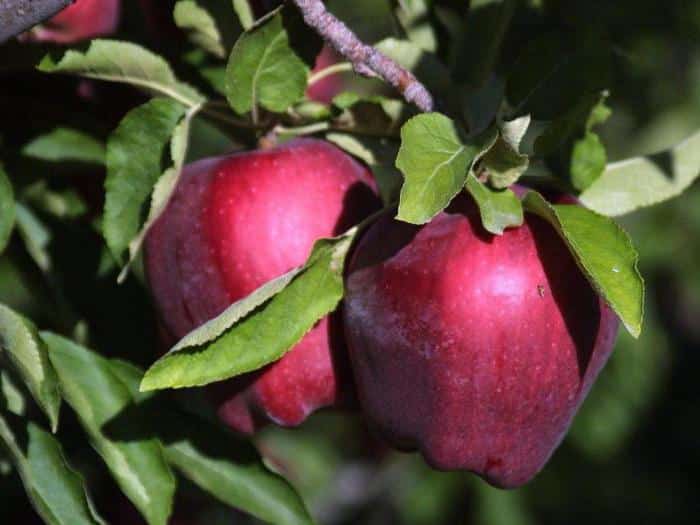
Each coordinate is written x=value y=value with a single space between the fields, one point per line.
x=97 y=396
x=57 y=492
x=7 y=209
x=588 y=159
x=211 y=456
x=260 y=328
x=244 y=12
x=28 y=354
x=435 y=162
x=134 y=154
x=499 y=209
x=603 y=251
x=264 y=70
x=414 y=16
x=116 y=61
x=164 y=187
x=35 y=235
x=643 y=181
x=503 y=162
x=66 y=144
x=66 y=204
x=200 y=26
x=12 y=398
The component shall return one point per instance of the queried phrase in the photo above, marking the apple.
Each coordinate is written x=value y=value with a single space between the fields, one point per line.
x=237 y=222
x=81 y=20
x=475 y=349
x=325 y=89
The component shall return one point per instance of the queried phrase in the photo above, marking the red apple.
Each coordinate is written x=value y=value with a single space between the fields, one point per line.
x=235 y=223
x=82 y=20
x=325 y=89
x=475 y=349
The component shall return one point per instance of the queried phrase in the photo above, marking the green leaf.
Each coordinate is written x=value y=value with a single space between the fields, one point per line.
x=66 y=144
x=134 y=154
x=57 y=492
x=35 y=235
x=264 y=70
x=260 y=328
x=66 y=204
x=603 y=251
x=12 y=399
x=379 y=154
x=97 y=395
x=435 y=162
x=414 y=16
x=643 y=181
x=200 y=26
x=244 y=12
x=220 y=462
x=503 y=162
x=20 y=341
x=116 y=61
x=164 y=187
x=588 y=159
x=7 y=209
x=498 y=209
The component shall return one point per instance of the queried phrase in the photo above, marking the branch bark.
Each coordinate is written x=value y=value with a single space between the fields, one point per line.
x=366 y=60
x=16 y=16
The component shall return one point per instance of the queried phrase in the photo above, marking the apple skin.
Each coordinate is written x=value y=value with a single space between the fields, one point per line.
x=237 y=222
x=82 y=20
x=328 y=87
x=475 y=349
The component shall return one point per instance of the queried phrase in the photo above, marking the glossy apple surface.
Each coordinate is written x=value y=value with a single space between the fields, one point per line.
x=81 y=20
x=475 y=349
x=237 y=222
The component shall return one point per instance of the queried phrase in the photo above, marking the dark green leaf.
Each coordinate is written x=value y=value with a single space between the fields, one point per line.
x=35 y=235
x=603 y=251
x=435 y=162
x=28 y=354
x=639 y=182
x=260 y=328
x=264 y=70
x=588 y=159
x=97 y=395
x=57 y=492
x=134 y=154
x=66 y=144
x=499 y=209
x=7 y=209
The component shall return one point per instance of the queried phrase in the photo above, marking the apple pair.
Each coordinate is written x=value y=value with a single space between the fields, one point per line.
x=475 y=349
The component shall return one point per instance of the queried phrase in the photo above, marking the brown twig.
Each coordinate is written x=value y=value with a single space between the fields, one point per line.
x=366 y=60
x=16 y=16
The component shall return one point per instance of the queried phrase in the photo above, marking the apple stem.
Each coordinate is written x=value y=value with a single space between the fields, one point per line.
x=16 y=16
x=365 y=59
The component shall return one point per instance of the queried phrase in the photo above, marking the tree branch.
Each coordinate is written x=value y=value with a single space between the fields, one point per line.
x=16 y=16
x=366 y=60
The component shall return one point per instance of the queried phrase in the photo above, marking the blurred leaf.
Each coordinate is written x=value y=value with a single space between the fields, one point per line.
x=379 y=154
x=435 y=162
x=588 y=159
x=7 y=209
x=134 y=154
x=503 y=162
x=57 y=492
x=499 y=209
x=97 y=395
x=260 y=328
x=35 y=235
x=65 y=204
x=66 y=144
x=264 y=70
x=164 y=187
x=116 y=61
x=12 y=399
x=415 y=19
x=603 y=251
x=624 y=393
x=501 y=507
x=481 y=105
x=199 y=25
x=643 y=181
x=220 y=462
x=20 y=341
x=244 y=12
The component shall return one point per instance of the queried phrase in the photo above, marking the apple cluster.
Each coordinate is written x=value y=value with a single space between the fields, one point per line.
x=474 y=349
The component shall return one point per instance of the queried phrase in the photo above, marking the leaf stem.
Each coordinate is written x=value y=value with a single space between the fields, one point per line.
x=342 y=67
